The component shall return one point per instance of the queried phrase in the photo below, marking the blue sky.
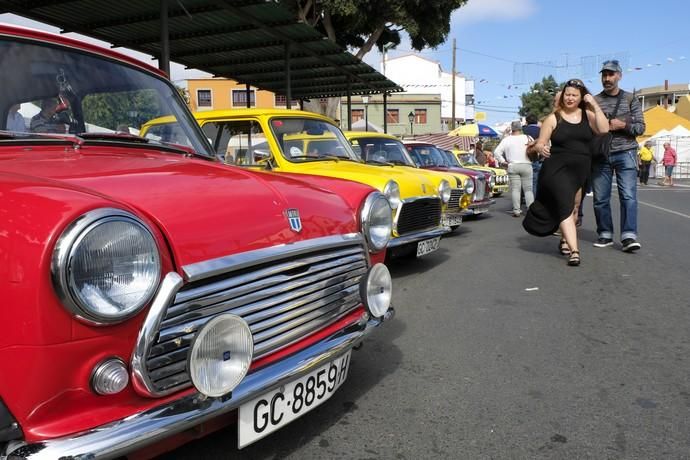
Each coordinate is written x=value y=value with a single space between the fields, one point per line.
x=505 y=45
x=499 y=42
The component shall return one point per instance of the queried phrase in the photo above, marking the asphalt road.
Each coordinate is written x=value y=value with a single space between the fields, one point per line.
x=501 y=351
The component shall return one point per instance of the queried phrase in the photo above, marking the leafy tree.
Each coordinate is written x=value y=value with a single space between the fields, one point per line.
x=363 y=24
x=133 y=108
x=539 y=99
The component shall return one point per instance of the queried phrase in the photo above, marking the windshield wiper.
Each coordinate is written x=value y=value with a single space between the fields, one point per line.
x=381 y=163
x=122 y=137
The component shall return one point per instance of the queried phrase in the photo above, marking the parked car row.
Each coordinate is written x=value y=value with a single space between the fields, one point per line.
x=166 y=270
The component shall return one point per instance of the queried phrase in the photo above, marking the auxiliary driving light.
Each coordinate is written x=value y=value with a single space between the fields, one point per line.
x=220 y=355
x=376 y=290
x=109 y=377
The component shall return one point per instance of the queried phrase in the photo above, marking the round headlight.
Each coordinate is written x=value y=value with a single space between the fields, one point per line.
x=106 y=266
x=444 y=191
x=492 y=180
x=377 y=221
x=376 y=290
x=220 y=355
x=469 y=186
x=392 y=192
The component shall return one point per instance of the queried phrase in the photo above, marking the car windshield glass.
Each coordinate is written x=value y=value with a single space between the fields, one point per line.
x=451 y=159
x=427 y=155
x=468 y=159
x=304 y=139
x=52 y=91
x=382 y=151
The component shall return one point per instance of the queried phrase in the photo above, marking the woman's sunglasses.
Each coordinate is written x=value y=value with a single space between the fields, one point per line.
x=574 y=84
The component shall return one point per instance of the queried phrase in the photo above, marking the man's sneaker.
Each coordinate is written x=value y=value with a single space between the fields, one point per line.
x=605 y=242
x=630 y=245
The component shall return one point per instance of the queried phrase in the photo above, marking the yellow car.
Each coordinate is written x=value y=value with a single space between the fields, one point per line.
x=293 y=141
x=387 y=151
x=500 y=186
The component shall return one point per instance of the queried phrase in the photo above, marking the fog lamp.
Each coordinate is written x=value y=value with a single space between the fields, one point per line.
x=220 y=355
x=376 y=290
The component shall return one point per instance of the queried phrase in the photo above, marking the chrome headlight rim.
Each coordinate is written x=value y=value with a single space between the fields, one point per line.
x=469 y=186
x=370 y=205
x=62 y=276
x=492 y=179
x=392 y=192
x=444 y=190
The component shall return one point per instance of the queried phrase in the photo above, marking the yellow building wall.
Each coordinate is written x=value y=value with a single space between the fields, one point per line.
x=221 y=94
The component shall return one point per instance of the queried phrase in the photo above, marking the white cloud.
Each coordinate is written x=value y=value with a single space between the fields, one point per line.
x=493 y=10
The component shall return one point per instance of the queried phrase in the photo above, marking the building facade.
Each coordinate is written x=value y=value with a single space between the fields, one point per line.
x=423 y=76
x=222 y=93
x=423 y=109
x=667 y=95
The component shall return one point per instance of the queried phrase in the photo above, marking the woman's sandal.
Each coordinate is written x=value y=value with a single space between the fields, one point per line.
x=574 y=259
x=563 y=248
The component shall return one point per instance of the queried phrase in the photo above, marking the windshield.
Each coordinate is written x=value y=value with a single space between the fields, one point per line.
x=381 y=151
x=468 y=159
x=451 y=159
x=304 y=139
x=53 y=92
x=427 y=156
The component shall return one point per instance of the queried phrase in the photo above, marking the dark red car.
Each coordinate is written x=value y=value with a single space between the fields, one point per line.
x=478 y=191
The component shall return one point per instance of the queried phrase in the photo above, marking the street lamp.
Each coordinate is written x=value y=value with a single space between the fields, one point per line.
x=365 y=101
x=410 y=116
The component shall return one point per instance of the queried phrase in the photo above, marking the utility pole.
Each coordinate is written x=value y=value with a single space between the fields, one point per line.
x=452 y=121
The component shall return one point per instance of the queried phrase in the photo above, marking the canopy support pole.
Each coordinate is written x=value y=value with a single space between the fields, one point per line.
x=249 y=96
x=385 y=112
x=164 y=59
x=288 y=81
x=349 y=106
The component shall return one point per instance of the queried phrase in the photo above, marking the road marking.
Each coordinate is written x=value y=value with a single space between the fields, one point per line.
x=664 y=209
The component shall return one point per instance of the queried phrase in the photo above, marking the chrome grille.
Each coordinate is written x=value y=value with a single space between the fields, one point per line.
x=480 y=188
x=420 y=214
x=283 y=299
x=455 y=196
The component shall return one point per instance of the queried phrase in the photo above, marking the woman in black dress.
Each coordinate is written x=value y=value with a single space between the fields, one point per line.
x=576 y=119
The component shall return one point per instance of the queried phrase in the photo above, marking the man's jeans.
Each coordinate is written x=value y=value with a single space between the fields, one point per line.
x=520 y=175
x=624 y=163
x=536 y=167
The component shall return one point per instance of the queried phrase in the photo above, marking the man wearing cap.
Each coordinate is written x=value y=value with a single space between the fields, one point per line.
x=625 y=126
x=512 y=150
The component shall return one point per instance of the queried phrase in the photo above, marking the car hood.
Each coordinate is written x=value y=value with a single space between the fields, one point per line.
x=205 y=209
x=453 y=169
x=411 y=183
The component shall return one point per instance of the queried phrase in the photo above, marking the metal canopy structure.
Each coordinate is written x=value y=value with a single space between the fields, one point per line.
x=255 y=42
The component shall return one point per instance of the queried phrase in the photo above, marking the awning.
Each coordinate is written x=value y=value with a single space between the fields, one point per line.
x=252 y=41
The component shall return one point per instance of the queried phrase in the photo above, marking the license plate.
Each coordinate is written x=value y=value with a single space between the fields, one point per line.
x=275 y=409
x=451 y=221
x=427 y=246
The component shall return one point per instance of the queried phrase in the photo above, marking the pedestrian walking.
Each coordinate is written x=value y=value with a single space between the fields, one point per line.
x=570 y=129
x=645 y=157
x=512 y=151
x=669 y=162
x=532 y=129
x=626 y=122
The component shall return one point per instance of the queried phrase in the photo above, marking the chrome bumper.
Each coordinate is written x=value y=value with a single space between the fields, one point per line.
x=483 y=205
x=139 y=430
x=415 y=237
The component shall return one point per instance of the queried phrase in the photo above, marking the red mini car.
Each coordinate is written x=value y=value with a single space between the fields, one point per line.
x=149 y=289
x=428 y=156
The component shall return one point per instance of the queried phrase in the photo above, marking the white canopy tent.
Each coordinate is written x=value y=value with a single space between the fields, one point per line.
x=679 y=138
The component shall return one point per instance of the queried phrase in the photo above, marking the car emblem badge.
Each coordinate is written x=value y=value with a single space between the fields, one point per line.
x=294 y=220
